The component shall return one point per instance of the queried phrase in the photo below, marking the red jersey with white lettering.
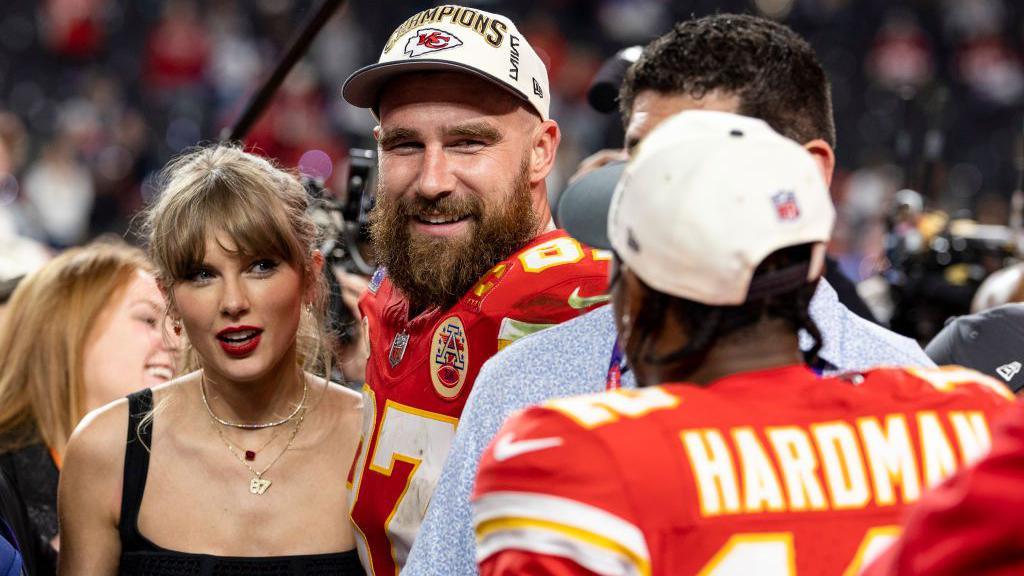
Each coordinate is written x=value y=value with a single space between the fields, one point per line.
x=768 y=472
x=421 y=371
x=973 y=524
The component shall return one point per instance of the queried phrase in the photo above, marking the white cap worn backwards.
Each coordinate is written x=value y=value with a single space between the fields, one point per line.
x=460 y=39
x=706 y=197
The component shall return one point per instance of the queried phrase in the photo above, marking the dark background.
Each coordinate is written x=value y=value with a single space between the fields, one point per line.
x=95 y=95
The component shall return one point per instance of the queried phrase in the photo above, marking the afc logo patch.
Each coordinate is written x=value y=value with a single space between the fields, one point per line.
x=449 y=357
x=427 y=40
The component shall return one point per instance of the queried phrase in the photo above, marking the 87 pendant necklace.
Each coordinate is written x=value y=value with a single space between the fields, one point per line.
x=258 y=484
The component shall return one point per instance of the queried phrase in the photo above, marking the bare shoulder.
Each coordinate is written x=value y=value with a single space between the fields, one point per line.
x=90 y=478
x=346 y=398
x=98 y=442
x=345 y=406
x=332 y=403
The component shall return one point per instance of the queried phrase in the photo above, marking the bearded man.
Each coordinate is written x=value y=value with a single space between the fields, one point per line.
x=470 y=258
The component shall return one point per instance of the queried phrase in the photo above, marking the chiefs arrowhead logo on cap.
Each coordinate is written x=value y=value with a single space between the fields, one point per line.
x=427 y=40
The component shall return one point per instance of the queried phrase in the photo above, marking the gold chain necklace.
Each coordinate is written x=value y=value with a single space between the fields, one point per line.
x=258 y=484
x=250 y=455
x=206 y=402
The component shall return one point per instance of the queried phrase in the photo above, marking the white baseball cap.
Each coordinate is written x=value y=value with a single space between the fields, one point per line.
x=706 y=197
x=460 y=39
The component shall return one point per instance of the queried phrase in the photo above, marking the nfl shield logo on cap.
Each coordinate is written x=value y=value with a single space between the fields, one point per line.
x=786 y=206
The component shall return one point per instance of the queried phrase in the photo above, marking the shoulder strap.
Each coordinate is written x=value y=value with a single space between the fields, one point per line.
x=136 y=467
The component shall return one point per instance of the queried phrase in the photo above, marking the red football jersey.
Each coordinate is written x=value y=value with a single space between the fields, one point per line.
x=421 y=371
x=973 y=524
x=773 y=472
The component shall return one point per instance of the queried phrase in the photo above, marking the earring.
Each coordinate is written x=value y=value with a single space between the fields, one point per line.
x=176 y=325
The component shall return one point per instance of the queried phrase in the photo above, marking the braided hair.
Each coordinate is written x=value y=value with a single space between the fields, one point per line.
x=706 y=324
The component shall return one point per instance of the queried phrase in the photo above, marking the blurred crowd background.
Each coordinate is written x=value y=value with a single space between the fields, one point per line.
x=96 y=95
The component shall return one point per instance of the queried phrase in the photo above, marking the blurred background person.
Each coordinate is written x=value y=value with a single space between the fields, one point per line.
x=19 y=254
x=254 y=440
x=60 y=192
x=85 y=329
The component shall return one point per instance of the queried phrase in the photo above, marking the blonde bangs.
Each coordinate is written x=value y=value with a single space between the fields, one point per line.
x=234 y=195
x=253 y=226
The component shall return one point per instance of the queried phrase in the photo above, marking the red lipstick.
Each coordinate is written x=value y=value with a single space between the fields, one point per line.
x=239 y=341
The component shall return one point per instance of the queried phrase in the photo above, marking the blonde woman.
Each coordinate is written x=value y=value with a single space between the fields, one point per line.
x=82 y=331
x=240 y=465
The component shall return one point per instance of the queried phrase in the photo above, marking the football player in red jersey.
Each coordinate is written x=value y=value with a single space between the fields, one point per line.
x=463 y=229
x=735 y=458
x=973 y=524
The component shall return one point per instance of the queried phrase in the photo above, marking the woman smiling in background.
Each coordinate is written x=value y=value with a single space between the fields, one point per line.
x=82 y=331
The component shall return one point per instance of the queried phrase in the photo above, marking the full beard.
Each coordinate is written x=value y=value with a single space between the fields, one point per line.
x=433 y=271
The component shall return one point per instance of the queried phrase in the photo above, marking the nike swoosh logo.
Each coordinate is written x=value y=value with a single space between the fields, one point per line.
x=578 y=302
x=506 y=447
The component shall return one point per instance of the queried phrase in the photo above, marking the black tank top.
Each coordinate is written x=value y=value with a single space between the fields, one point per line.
x=139 y=556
